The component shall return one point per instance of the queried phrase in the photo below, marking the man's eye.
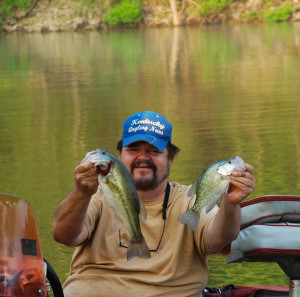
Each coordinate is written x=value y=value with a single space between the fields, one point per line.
x=154 y=152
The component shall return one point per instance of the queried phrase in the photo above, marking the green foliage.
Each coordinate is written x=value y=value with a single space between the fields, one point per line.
x=7 y=7
x=3 y=12
x=252 y=15
x=209 y=7
x=213 y=6
x=125 y=12
x=16 y=3
x=279 y=13
x=271 y=13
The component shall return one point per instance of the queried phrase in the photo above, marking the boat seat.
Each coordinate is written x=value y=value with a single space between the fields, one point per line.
x=270 y=209
x=270 y=232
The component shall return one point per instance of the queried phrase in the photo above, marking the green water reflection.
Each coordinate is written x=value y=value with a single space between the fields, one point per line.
x=229 y=90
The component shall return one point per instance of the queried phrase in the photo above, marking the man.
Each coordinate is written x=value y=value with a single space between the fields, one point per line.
x=178 y=265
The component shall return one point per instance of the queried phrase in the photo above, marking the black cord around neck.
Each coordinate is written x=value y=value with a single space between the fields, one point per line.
x=166 y=200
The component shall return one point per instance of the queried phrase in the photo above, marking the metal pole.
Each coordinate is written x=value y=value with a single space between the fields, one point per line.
x=294 y=288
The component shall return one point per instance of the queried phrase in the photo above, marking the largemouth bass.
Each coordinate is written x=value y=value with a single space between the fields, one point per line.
x=120 y=192
x=209 y=187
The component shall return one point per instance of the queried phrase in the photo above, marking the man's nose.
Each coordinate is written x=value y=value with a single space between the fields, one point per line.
x=143 y=155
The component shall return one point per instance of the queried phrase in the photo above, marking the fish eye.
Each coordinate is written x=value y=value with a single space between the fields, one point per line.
x=229 y=162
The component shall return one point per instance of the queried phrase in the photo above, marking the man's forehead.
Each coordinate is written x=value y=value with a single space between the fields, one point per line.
x=141 y=143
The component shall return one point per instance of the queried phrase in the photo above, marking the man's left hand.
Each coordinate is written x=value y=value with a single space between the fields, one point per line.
x=242 y=184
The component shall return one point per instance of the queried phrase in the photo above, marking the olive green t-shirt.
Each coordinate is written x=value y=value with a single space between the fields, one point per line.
x=99 y=267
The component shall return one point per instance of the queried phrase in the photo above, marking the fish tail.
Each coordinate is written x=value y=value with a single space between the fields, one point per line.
x=190 y=217
x=138 y=248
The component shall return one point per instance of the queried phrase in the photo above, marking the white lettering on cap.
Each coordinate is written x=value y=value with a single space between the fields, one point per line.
x=147 y=121
x=156 y=130
x=139 y=127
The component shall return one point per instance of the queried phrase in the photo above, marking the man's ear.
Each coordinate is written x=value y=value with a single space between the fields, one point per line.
x=120 y=153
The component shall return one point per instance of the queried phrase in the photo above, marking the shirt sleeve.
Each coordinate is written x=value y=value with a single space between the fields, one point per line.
x=200 y=234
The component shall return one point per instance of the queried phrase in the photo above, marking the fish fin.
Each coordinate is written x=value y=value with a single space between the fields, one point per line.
x=143 y=211
x=190 y=217
x=192 y=190
x=138 y=248
x=116 y=223
x=223 y=188
x=212 y=203
x=209 y=207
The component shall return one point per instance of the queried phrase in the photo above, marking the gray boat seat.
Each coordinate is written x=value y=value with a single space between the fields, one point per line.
x=270 y=232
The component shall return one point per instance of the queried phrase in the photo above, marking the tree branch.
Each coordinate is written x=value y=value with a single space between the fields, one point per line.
x=27 y=12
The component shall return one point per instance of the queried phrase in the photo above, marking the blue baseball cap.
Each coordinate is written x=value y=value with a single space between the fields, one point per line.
x=147 y=126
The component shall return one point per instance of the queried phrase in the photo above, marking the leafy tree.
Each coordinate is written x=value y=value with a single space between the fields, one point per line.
x=8 y=7
x=125 y=12
x=279 y=13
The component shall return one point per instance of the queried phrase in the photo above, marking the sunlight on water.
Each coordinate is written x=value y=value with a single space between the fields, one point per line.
x=227 y=90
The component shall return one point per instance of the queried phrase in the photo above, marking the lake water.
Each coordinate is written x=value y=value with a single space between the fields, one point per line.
x=228 y=90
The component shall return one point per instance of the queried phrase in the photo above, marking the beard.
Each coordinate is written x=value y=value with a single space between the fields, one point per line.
x=150 y=183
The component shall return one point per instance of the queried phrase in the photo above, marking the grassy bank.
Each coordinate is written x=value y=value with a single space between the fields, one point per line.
x=54 y=15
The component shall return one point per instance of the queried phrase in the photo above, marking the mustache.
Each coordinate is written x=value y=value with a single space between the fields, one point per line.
x=146 y=162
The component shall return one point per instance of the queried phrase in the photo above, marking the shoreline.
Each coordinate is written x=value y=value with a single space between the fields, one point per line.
x=50 y=16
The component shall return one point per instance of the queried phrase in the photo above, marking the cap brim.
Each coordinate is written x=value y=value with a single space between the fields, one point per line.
x=158 y=143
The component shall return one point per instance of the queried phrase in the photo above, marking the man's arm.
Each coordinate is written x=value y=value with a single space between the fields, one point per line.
x=225 y=226
x=68 y=226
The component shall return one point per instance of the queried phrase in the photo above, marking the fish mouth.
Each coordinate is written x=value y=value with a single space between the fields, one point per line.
x=104 y=168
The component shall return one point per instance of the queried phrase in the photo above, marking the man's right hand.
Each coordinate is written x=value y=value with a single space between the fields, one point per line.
x=86 y=179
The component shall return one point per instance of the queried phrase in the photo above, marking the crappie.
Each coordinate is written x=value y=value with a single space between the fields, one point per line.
x=211 y=184
x=120 y=192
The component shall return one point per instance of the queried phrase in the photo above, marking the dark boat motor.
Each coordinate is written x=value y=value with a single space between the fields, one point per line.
x=23 y=270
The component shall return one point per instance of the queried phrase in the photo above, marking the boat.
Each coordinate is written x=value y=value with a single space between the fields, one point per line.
x=269 y=232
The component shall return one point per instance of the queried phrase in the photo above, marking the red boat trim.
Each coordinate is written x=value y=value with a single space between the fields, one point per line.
x=268 y=198
x=266 y=253
x=281 y=220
